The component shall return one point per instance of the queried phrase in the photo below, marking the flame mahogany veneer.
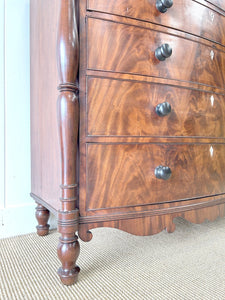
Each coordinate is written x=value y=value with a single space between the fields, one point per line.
x=102 y=156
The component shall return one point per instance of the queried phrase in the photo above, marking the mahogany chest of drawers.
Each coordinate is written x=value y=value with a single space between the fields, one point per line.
x=137 y=135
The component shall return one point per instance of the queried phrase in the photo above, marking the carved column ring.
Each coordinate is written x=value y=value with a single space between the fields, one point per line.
x=69 y=87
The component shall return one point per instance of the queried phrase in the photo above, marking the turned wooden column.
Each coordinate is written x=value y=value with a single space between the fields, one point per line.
x=68 y=120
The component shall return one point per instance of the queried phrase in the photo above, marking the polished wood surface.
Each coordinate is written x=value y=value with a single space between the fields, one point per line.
x=94 y=153
x=184 y=15
x=134 y=53
x=45 y=151
x=219 y=3
x=68 y=120
x=127 y=108
x=68 y=107
x=154 y=224
x=129 y=179
x=42 y=215
x=150 y=79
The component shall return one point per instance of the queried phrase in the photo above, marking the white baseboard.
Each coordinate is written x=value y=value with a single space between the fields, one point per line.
x=20 y=220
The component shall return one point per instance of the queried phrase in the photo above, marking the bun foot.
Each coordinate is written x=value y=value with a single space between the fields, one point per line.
x=69 y=277
x=42 y=230
x=68 y=252
x=42 y=216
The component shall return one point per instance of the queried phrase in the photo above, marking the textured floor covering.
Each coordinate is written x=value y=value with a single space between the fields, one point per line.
x=187 y=264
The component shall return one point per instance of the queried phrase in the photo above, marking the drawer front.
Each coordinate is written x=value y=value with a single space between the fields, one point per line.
x=218 y=3
x=185 y=15
x=126 y=108
x=129 y=173
x=130 y=49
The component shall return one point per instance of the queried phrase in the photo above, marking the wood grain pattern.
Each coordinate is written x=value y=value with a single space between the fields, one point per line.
x=126 y=108
x=156 y=209
x=184 y=15
x=129 y=179
x=134 y=53
x=154 y=224
x=154 y=27
x=150 y=79
x=150 y=140
x=116 y=182
x=219 y=3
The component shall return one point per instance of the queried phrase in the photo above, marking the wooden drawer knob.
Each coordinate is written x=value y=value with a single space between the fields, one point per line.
x=163 y=172
x=163 y=5
x=163 y=52
x=163 y=109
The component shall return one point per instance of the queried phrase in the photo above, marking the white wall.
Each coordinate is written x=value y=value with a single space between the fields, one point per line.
x=17 y=209
x=2 y=108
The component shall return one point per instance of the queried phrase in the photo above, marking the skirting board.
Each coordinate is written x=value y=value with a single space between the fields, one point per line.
x=20 y=220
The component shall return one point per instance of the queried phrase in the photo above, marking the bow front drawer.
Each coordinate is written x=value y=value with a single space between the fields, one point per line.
x=129 y=49
x=129 y=108
x=219 y=3
x=141 y=174
x=185 y=15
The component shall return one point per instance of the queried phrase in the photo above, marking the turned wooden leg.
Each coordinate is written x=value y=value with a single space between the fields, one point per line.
x=68 y=121
x=42 y=216
x=68 y=252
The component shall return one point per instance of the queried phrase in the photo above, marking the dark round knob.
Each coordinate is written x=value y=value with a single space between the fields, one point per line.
x=163 y=52
x=163 y=172
x=163 y=5
x=163 y=109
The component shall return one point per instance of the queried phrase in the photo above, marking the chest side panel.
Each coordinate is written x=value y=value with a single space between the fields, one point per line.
x=44 y=80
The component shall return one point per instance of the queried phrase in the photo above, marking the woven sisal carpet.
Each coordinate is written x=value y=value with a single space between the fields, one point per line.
x=187 y=264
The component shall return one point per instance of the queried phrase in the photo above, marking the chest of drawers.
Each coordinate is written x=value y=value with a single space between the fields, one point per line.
x=137 y=136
